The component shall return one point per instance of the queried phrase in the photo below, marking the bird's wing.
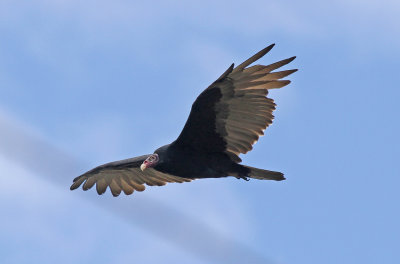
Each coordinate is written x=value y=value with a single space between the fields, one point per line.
x=232 y=113
x=123 y=175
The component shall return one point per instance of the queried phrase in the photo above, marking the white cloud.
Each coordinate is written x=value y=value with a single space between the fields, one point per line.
x=247 y=17
x=34 y=209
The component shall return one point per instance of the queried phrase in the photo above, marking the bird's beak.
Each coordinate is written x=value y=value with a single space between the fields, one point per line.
x=143 y=166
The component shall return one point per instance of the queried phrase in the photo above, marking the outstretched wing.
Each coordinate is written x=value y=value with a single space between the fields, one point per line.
x=232 y=113
x=123 y=175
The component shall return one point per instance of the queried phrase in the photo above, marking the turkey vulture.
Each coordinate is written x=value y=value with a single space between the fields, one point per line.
x=226 y=119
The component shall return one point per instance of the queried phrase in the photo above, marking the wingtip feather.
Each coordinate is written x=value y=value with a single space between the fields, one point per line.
x=77 y=182
x=254 y=58
x=229 y=70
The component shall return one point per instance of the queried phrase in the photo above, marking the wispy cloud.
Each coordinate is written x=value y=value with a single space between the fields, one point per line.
x=144 y=211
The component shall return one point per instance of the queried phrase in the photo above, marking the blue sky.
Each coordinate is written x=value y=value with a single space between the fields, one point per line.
x=87 y=82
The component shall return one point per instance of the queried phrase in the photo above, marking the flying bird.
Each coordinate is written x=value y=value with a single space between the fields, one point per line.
x=226 y=119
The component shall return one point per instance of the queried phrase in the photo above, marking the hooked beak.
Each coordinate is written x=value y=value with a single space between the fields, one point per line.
x=143 y=166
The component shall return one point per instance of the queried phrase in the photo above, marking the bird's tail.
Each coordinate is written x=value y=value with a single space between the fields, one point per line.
x=264 y=174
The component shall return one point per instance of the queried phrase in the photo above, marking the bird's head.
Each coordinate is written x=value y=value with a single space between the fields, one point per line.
x=151 y=161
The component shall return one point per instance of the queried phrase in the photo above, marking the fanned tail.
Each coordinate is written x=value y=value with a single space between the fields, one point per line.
x=260 y=174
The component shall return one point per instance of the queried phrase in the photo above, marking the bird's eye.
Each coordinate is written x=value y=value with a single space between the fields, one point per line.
x=153 y=158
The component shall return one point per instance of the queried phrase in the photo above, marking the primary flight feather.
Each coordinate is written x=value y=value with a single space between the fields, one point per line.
x=226 y=119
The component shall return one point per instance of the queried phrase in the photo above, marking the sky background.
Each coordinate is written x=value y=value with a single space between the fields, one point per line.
x=87 y=82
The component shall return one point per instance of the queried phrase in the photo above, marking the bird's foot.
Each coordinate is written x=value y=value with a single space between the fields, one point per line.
x=243 y=177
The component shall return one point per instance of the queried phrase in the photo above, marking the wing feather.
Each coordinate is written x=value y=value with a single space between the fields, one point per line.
x=114 y=187
x=89 y=183
x=253 y=58
x=126 y=187
x=101 y=185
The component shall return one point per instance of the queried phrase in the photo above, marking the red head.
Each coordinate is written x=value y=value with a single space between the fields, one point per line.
x=151 y=161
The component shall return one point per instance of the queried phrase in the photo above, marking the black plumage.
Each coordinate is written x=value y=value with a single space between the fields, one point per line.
x=225 y=120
